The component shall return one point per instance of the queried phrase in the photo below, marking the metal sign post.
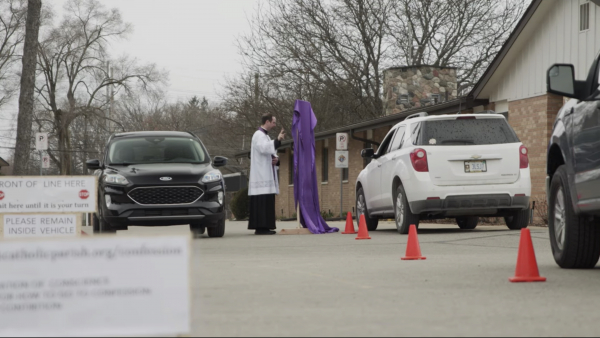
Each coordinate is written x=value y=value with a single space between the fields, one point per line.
x=41 y=144
x=341 y=161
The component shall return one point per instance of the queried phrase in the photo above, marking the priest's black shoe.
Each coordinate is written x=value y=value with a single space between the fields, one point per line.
x=263 y=232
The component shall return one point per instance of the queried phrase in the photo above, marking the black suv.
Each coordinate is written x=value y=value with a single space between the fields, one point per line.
x=573 y=182
x=156 y=179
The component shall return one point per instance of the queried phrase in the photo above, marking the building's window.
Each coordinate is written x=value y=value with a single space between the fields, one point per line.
x=325 y=165
x=584 y=17
x=291 y=167
x=345 y=174
x=402 y=99
x=435 y=98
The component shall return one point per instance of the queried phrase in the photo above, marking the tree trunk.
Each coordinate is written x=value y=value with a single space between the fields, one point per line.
x=26 y=98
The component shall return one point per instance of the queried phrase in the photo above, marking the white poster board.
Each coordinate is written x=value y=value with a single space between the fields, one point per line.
x=39 y=225
x=341 y=159
x=62 y=194
x=103 y=286
x=341 y=141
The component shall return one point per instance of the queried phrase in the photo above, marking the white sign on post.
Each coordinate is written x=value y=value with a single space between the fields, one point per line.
x=64 y=194
x=109 y=286
x=41 y=141
x=46 y=161
x=341 y=159
x=341 y=140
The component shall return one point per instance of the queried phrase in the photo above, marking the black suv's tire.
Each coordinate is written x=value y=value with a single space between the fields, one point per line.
x=402 y=214
x=575 y=240
x=467 y=222
x=218 y=231
x=101 y=226
x=361 y=209
x=519 y=220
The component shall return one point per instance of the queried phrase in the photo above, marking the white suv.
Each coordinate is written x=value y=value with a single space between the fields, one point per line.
x=446 y=166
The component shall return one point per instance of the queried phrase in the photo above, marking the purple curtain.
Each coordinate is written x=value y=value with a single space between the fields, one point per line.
x=305 y=173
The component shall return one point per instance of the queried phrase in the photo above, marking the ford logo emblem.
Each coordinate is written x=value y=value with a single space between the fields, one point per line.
x=165 y=178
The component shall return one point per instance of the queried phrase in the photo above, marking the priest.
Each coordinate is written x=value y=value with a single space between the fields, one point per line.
x=264 y=184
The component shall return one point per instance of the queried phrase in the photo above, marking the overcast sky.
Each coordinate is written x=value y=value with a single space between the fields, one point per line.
x=195 y=40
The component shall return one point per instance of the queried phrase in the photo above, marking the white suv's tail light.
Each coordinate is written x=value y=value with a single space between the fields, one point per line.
x=418 y=157
x=524 y=158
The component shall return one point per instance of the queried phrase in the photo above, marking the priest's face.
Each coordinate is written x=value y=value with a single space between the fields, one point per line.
x=270 y=124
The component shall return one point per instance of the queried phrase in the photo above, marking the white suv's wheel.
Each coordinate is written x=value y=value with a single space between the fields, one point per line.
x=404 y=217
x=361 y=209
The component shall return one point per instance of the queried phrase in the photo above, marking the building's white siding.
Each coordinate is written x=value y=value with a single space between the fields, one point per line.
x=554 y=38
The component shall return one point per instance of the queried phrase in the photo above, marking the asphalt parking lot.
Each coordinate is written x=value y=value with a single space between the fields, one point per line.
x=334 y=285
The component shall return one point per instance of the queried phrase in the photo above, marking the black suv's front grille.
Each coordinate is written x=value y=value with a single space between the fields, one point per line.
x=166 y=195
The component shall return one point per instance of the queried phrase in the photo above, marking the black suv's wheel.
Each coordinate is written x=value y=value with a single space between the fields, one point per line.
x=575 y=240
x=101 y=226
x=361 y=209
x=198 y=232
x=519 y=220
x=467 y=222
x=404 y=217
x=218 y=231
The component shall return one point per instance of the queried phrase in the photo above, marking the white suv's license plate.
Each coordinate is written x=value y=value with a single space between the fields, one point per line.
x=475 y=166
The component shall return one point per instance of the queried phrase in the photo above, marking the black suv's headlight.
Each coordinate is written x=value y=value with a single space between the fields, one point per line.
x=212 y=176
x=115 y=179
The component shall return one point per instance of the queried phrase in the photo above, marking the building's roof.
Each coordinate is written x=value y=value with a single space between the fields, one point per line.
x=418 y=66
x=510 y=42
x=453 y=106
x=3 y=163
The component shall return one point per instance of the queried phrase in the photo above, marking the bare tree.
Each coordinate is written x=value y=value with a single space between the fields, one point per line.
x=334 y=47
x=13 y=14
x=466 y=34
x=73 y=65
x=26 y=99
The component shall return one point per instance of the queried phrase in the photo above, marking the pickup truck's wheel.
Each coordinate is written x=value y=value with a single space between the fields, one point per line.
x=467 y=222
x=404 y=217
x=575 y=240
x=361 y=209
x=218 y=231
x=519 y=220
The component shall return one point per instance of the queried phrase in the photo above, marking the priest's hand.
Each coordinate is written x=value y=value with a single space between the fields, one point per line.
x=281 y=135
x=275 y=160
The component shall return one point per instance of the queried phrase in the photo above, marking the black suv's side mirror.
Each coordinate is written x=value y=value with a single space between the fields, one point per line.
x=220 y=161
x=367 y=153
x=93 y=164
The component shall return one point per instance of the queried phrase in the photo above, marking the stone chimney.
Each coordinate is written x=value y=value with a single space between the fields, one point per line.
x=417 y=86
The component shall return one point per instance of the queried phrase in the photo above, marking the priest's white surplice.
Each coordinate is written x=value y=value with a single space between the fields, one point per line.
x=263 y=177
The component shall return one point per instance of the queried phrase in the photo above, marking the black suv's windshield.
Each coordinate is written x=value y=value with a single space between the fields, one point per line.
x=141 y=150
x=469 y=131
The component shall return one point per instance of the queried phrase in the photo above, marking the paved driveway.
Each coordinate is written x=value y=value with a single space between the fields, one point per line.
x=333 y=285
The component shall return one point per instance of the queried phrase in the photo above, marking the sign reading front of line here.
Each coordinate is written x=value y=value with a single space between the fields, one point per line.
x=57 y=194
x=30 y=226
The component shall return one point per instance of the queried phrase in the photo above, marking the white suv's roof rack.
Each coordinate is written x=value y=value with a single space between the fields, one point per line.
x=422 y=114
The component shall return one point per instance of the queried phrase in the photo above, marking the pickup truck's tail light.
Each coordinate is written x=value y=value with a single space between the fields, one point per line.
x=524 y=157
x=418 y=158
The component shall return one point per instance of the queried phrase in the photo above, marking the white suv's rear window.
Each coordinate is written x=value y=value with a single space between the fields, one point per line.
x=463 y=131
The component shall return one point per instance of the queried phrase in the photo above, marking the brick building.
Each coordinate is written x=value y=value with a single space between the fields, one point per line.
x=551 y=31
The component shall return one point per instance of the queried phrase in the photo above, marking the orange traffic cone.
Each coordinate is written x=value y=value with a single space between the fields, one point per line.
x=349 y=225
x=413 y=249
x=363 y=232
x=527 y=269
